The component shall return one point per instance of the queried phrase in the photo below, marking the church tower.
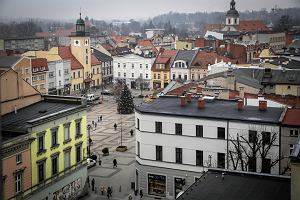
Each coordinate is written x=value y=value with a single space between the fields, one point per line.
x=81 y=49
x=232 y=15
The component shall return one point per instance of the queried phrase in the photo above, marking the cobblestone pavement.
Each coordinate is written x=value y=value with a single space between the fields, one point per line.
x=104 y=135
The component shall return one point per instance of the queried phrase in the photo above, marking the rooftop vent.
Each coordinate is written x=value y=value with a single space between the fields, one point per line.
x=43 y=111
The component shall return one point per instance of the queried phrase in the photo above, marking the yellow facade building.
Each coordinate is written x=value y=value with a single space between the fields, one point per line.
x=183 y=45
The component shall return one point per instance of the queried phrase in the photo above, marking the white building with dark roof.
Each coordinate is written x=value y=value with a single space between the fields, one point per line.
x=179 y=138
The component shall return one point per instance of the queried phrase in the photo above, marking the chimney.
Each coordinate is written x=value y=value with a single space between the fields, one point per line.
x=240 y=104
x=201 y=103
x=189 y=97
x=263 y=105
x=182 y=101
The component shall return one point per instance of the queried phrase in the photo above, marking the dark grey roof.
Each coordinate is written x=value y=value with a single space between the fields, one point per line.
x=102 y=56
x=18 y=123
x=218 y=109
x=256 y=77
x=186 y=55
x=238 y=186
x=8 y=61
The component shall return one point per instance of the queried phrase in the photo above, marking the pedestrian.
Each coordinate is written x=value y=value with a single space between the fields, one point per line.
x=98 y=119
x=93 y=184
x=88 y=180
x=93 y=122
x=95 y=125
x=131 y=132
x=100 y=162
x=102 y=190
x=115 y=126
x=109 y=191
x=101 y=118
x=115 y=163
x=141 y=194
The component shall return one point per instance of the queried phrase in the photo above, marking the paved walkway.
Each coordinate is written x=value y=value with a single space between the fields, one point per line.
x=104 y=135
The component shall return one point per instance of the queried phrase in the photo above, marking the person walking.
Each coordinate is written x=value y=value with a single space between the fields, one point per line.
x=101 y=118
x=109 y=192
x=115 y=126
x=95 y=125
x=93 y=184
x=102 y=190
x=100 y=162
x=131 y=132
x=115 y=163
x=141 y=194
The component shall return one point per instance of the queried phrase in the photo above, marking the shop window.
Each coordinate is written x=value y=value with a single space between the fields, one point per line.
x=157 y=185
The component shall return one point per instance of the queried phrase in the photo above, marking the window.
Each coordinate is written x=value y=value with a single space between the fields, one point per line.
x=119 y=74
x=141 y=75
x=54 y=165
x=34 y=78
x=59 y=72
x=41 y=143
x=199 y=158
x=141 y=66
x=138 y=123
x=158 y=127
x=199 y=131
x=138 y=149
x=26 y=70
x=178 y=129
x=41 y=171
x=66 y=71
x=86 y=59
x=119 y=65
x=146 y=75
x=154 y=76
x=66 y=132
x=54 y=137
x=93 y=70
x=165 y=76
x=51 y=74
x=124 y=75
x=178 y=155
x=78 y=73
x=266 y=165
x=221 y=133
x=132 y=66
x=67 y=159
x=124 y=65
x=42 y=86
x=157 y=185
x=18 y=182
x=294 y=133
x=185 y=77
x=19 y=158
x=74 y=75
x=158 y=76
x=146 y=66
x=173 y=76
x=132 y=75
x=288 y=87
x=158 y=153
x=266 y=138
x=78 y=128
x=221 y=160
x=252 y=136
x=78 y=153
x=179 y=76
x=252 y=164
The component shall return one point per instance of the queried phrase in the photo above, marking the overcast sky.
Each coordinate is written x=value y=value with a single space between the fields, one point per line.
x=126 y=9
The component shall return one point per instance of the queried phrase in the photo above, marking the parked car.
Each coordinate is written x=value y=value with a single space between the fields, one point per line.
x=106 y=92
x=90 y=163
x=90 y=97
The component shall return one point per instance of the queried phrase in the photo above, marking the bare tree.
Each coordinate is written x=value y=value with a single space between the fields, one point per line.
x=244 y=152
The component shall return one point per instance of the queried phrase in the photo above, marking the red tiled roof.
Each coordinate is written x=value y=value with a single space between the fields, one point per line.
x=292 y=117
x=65 y=53
x=162 y=60
x=39 y=62
x=108 y=47
x=94 y=60
x=147 y=43
x=185 y=88
x=253 y=25
x=203 y=59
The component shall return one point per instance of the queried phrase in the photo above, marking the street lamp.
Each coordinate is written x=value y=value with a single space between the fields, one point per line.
x=89 y=146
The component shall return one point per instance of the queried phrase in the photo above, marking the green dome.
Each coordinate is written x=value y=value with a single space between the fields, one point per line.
x=80 y=21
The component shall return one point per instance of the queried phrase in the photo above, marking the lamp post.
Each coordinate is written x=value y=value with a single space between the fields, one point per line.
x=121 y=130
x=209 y=158
x=89 y=146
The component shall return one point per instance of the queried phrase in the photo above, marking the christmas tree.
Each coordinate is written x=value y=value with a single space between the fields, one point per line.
x=125 y=103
